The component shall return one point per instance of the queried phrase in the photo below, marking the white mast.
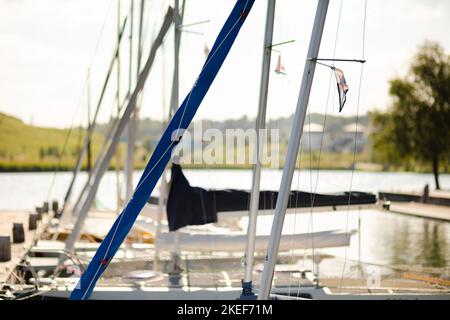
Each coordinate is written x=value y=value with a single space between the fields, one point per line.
x=260 y=125
x=89 y=142
x=132 y=126
x=128 y=170
x=176 y=62
x=118 y=204
x=296 y=134
x=174 y=100
x=162 y=186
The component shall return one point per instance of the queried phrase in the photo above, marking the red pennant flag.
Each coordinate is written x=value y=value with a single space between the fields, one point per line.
x=341 y=86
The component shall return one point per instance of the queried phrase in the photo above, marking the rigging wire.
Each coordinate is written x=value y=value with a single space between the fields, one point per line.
x=313 y=192
x=355 y=138
x=69 y=132
x=101 y=33
x=66 y=141
x=310 y=220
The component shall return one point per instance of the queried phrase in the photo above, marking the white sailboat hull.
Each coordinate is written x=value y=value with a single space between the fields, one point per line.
x=237 y=242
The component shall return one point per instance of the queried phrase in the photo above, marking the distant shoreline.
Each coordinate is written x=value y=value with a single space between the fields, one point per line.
x=363 y=167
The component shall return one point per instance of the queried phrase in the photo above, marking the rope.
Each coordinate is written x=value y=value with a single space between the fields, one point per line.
x=21 y=280
x=355 y=139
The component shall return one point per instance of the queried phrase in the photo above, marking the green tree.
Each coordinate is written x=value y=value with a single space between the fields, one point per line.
x=416 y=127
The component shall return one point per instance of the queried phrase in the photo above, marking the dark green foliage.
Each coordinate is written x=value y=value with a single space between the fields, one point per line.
x=416 y=128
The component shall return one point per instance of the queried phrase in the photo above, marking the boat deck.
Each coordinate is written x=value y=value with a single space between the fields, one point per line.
x=293 y=284
x=226 y=273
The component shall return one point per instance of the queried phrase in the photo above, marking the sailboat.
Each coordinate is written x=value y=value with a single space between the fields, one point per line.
x=139 y=289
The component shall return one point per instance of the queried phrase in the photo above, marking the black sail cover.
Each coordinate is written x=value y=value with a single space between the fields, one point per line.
x=188 y=205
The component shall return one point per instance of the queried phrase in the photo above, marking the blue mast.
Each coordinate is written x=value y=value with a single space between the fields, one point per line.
x=161 y=156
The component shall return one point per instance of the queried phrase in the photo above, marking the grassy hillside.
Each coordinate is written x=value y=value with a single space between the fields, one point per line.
x=28 y=148
x=25 y=147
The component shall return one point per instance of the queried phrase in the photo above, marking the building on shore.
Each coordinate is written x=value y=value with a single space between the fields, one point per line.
x=312 y=136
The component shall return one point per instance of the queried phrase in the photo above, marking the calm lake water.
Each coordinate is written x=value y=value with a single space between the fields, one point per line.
x=26 y=190
x=384 y=238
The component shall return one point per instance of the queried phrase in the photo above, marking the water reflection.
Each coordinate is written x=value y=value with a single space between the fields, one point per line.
x=401 y=245
x=432 y=246
x=384 y=238
x=411 y=241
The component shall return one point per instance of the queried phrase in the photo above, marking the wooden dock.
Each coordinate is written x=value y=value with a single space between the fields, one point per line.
x=7 y=219
x=423 y=210
x=435 y=197
x=431 y=204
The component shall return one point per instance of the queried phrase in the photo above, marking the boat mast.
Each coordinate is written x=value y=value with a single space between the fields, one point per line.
x=176 y=61
x=174 y=269
x=128 y=170
x=131 y=105
x=260 y=126
x=118 y=195
x=163 y=183
x=293 y=146
x=89 y=140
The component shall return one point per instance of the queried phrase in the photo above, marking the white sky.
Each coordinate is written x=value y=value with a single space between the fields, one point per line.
x=46 y=47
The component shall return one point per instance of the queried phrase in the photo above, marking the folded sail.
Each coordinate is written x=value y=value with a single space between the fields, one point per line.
x=162 y=153
x=188 y=205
